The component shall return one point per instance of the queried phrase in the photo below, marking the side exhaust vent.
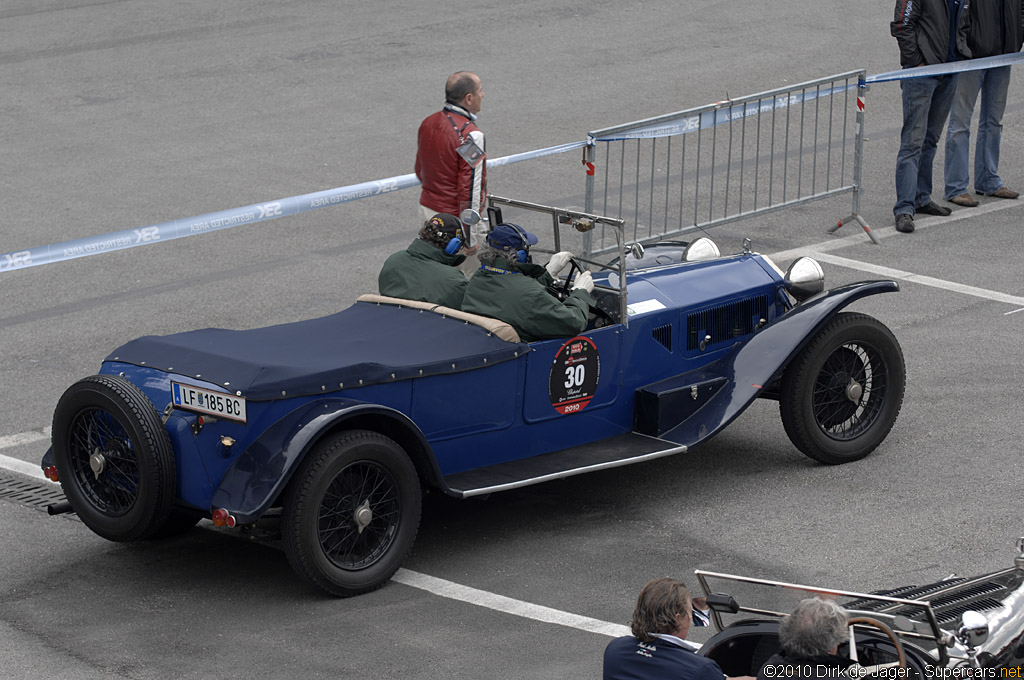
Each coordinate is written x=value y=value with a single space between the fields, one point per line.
x=663 y=334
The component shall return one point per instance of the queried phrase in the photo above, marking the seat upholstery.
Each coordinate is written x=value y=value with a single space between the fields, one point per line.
x=499 y=329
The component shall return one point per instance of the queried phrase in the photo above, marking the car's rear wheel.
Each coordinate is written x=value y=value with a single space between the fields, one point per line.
x=841 y=395
x=114 y=458
x=351 y=512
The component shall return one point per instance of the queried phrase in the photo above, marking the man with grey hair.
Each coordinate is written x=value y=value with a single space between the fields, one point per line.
x=509 y=287
x=810 y=637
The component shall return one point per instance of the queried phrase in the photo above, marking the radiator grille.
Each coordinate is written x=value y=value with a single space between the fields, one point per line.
x=947 y=608
x=725 y=323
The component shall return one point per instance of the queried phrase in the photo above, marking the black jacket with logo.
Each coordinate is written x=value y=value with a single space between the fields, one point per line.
x=921 y=27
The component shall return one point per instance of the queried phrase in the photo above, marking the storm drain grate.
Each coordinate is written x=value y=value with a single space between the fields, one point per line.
x=30 y=493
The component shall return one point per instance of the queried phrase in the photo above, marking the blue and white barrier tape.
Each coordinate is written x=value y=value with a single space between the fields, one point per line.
x=944 y=69
x=236 y=217
x=708 y=119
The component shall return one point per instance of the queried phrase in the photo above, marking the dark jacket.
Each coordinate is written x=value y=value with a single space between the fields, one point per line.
x=921 y=27
x=518 y=296
x=426 y=273
x=627 y=658
x=824 y=666
x=997 y=27
x=450 y=184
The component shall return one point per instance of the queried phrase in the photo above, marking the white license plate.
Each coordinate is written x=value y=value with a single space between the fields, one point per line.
x=219 y=404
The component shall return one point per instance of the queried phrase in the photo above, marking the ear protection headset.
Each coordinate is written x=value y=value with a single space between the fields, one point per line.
x=453 y=245
x=524 y=251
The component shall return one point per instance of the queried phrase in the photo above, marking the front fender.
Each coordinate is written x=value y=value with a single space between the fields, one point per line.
x=754 y=365
x=260 y=474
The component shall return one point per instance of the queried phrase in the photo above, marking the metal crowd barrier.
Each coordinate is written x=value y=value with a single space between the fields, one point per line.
x=714 y=164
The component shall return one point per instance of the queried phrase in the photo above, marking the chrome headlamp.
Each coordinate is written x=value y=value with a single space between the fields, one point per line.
x=804 y=278
x=701 y=249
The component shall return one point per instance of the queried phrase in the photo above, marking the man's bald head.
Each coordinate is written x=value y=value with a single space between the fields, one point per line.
x=464 y=89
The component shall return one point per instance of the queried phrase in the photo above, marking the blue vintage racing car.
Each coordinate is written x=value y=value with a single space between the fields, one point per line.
x=339 y=423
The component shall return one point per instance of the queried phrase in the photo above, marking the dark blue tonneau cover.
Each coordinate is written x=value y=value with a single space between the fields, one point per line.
x=368 y=342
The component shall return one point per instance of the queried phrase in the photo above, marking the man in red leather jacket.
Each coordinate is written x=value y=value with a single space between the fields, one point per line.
x=450 y=158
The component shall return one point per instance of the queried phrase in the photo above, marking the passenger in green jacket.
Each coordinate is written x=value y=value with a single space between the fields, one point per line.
x=427 y=270
x=509 y=287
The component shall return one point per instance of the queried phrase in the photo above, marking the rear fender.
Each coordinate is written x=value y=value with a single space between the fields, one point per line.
x=754 y=365
x=260 y=474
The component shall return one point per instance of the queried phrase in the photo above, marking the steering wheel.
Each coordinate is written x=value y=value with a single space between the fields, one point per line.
x=563 y=290
x=887 y=631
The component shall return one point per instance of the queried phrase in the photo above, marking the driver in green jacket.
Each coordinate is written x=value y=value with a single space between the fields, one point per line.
x=427 y=270
x=509 y=287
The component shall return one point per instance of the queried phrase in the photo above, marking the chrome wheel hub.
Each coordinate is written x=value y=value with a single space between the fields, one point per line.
x=363 y=516
x=97 y=463
x=854 y=391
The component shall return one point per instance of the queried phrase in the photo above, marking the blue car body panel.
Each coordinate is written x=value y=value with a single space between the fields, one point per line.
x=457 y=398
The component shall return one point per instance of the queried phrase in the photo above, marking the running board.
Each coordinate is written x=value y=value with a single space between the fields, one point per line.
x=624 y=449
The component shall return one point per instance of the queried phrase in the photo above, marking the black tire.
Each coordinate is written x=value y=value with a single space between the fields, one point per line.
x=841 y=395
x=347 y=475
x=114 y=458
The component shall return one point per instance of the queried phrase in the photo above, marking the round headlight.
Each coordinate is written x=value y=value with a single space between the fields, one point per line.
x=701 y=249
x=805 y=278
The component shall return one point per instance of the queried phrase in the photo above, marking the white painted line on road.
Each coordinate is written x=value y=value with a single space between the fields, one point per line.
x=482 y=598
x=12 y=440
x=16 y=464
x=858 y=238
x=1014 y=311
x=21 y=467
x=899 y=274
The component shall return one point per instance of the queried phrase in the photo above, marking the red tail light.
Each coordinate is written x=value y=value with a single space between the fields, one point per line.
x=222 y=518
x=51 y=473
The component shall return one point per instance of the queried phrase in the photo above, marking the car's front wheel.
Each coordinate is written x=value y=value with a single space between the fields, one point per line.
x=841 y=395
x=352 y=512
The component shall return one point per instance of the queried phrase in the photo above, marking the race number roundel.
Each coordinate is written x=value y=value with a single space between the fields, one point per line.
x=575 y=372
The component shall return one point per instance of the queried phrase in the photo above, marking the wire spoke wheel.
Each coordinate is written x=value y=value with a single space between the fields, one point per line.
x=841 y=395
x=358 y=519
x=849 y=391
x=351 y=512
x=104 y=462
x=114 y=458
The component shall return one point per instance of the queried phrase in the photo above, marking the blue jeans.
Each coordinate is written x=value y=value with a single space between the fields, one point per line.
x=993 y=84
x=926 y=103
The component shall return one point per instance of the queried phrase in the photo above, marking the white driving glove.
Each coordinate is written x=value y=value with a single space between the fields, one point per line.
x=558 y=262
x=585 y=281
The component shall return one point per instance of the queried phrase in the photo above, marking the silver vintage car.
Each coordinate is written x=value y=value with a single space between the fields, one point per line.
x=955 y=628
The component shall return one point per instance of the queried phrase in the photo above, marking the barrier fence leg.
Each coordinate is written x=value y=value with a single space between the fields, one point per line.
x=588 y=197
x=858 y=162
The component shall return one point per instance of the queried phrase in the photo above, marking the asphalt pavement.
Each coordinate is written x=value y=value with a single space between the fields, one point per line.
x=121 y=114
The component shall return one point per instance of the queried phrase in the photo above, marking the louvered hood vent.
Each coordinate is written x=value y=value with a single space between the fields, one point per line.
x=724 y=323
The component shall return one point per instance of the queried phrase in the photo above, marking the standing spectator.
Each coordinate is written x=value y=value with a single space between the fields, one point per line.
x=450 y=153
x=928 y=32
x=996 y=27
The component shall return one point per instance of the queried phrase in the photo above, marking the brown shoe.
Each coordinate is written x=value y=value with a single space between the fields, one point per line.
x=964 y=200
x=1002 y=192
